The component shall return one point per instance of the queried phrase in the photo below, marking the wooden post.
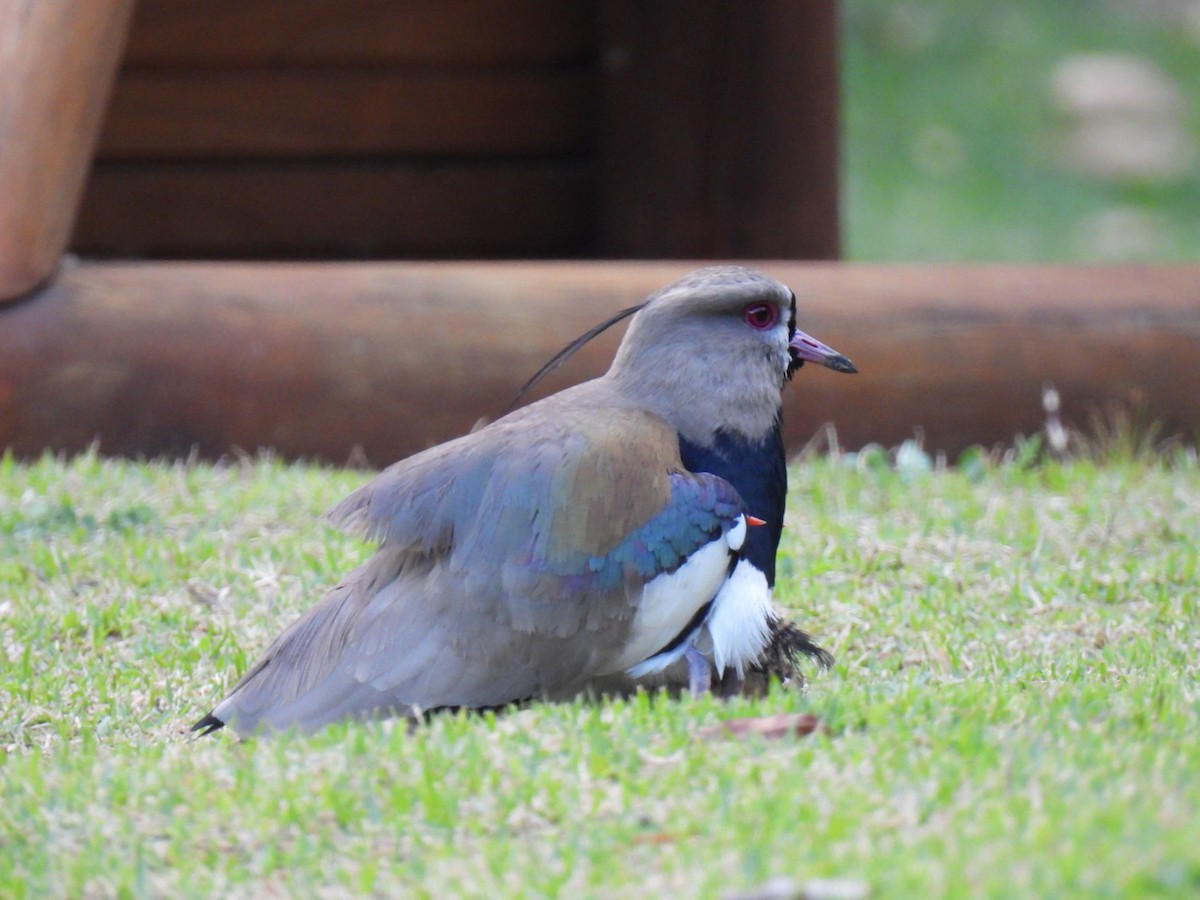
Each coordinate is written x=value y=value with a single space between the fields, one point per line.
x=57 y=63
x=719 y=129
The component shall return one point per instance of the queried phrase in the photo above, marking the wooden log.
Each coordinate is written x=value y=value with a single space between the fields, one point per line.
x=316 y=360
x=57 y=62
x=719 y=129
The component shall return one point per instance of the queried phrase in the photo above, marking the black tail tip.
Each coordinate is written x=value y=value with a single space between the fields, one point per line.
x=787 y=646
x=208 y=725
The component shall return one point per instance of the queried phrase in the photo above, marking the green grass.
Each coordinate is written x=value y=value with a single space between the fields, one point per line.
x=1015 y=711
x=951 y=133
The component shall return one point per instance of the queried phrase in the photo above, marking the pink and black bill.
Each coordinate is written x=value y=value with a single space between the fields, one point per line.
x=806 y=348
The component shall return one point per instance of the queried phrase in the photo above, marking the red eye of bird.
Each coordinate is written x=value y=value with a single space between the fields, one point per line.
x=760 y=315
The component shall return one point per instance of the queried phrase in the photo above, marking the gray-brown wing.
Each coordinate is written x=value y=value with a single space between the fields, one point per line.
x=505 y=572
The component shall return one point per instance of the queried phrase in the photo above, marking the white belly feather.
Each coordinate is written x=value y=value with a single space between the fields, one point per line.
x=670 y=601
x=734 y=633
x=737 y=627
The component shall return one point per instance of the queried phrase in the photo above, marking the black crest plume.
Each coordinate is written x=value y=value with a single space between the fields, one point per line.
x=568 y=351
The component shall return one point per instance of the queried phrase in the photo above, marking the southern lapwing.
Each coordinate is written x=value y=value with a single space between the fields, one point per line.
x=609 y=533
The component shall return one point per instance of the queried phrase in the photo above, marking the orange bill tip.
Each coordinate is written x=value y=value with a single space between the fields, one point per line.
x=755 y=520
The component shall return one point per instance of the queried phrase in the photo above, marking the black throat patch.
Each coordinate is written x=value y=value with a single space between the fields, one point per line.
x=758 y=470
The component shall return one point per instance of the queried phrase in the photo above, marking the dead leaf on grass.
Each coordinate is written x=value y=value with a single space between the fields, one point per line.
x=771 y=727
x=657 y=837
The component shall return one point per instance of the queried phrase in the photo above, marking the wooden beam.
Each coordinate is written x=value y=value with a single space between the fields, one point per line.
x=337 y=207
x=719 y=129
x=222 y=33
x=57 y=62
x=322 y=113
x=316 y=360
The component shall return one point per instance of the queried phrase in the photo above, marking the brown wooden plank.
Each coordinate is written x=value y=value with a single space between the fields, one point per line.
x=719 y=129
x=336 y=209
x=57 y=62
x=207 y=114
x=222 y=33
x=317 y=359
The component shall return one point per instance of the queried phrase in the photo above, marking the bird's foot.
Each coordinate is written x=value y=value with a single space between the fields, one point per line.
x=730 y=684
x=699 y=672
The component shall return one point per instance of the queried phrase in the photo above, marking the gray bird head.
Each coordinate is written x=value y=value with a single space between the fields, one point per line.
x=717 y=346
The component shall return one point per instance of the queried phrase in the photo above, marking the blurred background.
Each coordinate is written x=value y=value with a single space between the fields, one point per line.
x=294 y=223
x=1021 y=130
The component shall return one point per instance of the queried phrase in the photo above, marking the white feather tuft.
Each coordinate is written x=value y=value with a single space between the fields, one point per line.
x=740 y=623
x=737 y=534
